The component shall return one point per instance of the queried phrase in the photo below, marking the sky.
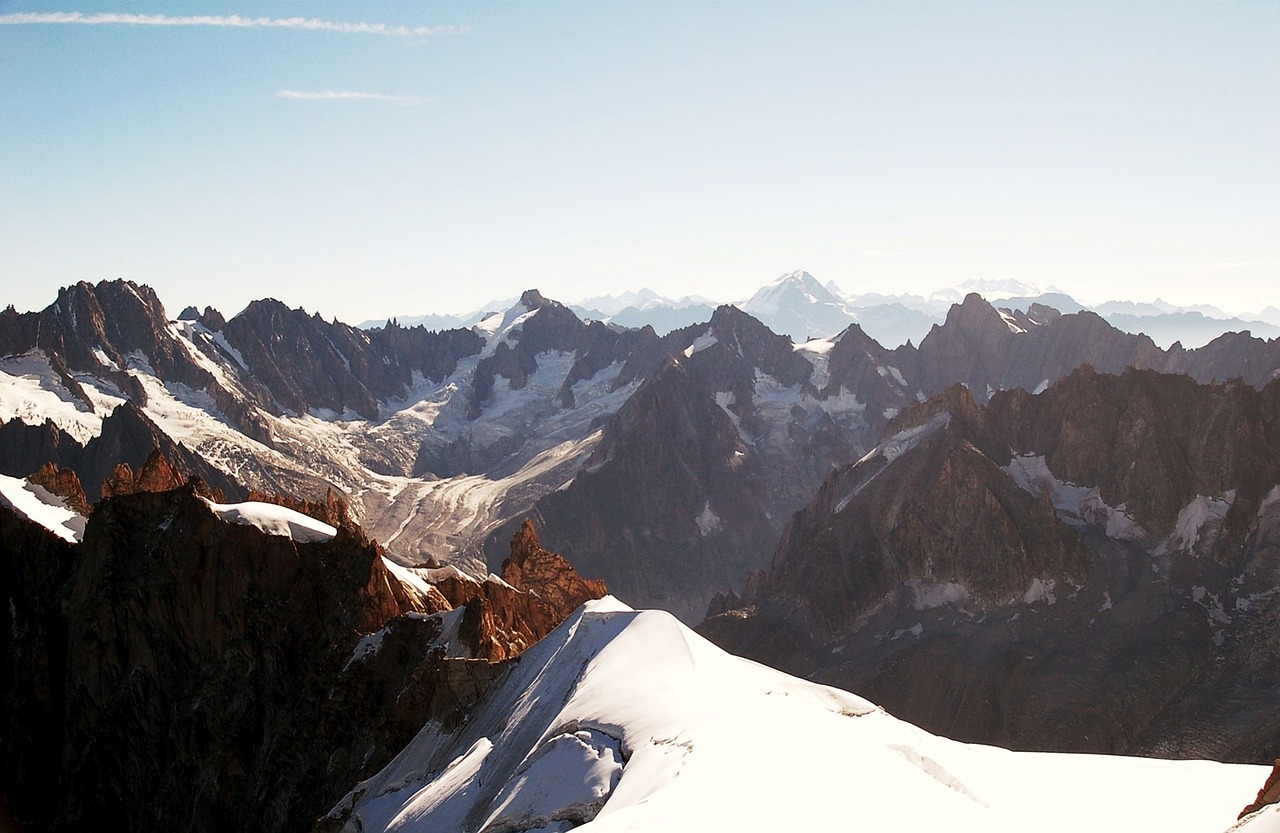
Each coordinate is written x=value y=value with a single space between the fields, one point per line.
x=370 y=159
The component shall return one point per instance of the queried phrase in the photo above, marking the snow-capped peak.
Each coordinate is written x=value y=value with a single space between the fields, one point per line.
x=796 y=304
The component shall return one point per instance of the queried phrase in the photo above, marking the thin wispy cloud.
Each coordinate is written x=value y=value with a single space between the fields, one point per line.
x=233 y=21
x=349 y=95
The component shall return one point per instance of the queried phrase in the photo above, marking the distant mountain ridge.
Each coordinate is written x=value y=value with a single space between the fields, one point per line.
x=797 y=305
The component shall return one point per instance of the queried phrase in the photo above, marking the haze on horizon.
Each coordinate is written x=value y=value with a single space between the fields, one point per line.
x=367 y=159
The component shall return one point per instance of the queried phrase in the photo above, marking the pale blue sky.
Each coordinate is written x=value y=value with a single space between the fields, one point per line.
x=1116 y=150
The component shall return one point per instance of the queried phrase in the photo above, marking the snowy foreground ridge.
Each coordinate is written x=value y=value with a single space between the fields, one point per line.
x=627 y=720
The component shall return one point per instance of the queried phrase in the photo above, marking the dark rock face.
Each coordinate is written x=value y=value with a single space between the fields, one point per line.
x=1090 y=569
x=175 y=671
x=632 y=516
x=33 y=568
x=202 y=662
x=301 y=362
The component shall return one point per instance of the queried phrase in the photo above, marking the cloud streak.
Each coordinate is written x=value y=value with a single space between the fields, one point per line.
x=348 y=95
x=234 y=21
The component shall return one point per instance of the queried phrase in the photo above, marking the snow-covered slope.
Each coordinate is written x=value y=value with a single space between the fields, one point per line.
x=625 y=721
x=274 y=520
x=36 y=504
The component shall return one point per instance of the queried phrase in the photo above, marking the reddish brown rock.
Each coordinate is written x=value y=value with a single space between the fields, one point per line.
x=548 y=575
x=539 y=589
x=155 y=474
x=1269 y=794
x=65 y=484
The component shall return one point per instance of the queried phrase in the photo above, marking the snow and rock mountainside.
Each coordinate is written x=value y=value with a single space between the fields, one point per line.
x=194 y=665
x=434 y=438
x=672 y=507
x=691 y=480
x=441 y=443
x=626 y=720
x=1093 y=568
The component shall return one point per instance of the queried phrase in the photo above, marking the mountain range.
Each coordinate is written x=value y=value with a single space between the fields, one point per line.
x=1032 y=529
x=797 y=305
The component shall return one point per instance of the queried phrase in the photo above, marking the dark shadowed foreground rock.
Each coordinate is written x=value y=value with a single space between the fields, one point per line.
x=178 y=672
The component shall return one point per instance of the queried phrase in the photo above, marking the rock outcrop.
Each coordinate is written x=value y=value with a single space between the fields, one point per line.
x=154 y=475
x=65 y=484
x=1269 y=794
x=547 y=575
x=503 y=618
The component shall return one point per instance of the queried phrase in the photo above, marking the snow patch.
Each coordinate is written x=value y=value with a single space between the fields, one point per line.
x=1076 y=505
x=940 y=594
x=890 y=371
x=221 y=340
x=707 y=521
x=1211 y=603
x=815 y=345
x=916 y=630
x=1040 y=590
x=39 y=505
x=104 y=360
x=1200 y=511
x=274 y=520
x=701 y=343
x=417 y=585
x=1010 y=322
